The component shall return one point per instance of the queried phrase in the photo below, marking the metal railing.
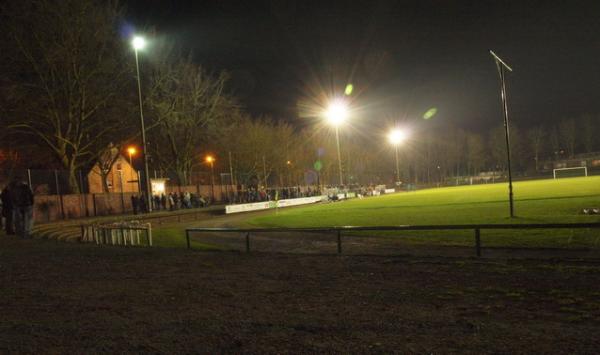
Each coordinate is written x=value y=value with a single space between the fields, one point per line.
x=477 y=228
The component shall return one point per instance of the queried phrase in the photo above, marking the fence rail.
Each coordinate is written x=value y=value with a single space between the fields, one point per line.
x=477 y=228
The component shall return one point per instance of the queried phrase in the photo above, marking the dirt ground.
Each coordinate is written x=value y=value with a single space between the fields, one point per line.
x=68 y=297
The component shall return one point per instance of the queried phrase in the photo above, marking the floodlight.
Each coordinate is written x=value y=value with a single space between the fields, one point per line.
x=138 y=42
x=396 y=136
x=337 y=112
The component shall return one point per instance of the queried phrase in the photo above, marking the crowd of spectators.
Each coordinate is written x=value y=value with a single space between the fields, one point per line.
x=260 y=193
x=249 y=194
x=171 y=202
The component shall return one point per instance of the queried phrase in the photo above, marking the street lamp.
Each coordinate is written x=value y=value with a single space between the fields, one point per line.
x=139 y=43
x=289 y=168
x=395 y=137
x=132 y=151
x=336 y=114
x=211 y=160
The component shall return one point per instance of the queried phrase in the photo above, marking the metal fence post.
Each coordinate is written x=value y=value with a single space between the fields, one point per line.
x=187 y=238
x=478 y=242
x=248 y=242
x=149 y=233
x=339 y=241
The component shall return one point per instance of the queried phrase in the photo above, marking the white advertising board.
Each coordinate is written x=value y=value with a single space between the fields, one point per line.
x=299 y=201
x=246 y=207
x=390 y=191
x=346 y=195
x=257 y=206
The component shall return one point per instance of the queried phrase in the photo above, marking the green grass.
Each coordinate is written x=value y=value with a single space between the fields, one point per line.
x=538 y=201
x=174 y=237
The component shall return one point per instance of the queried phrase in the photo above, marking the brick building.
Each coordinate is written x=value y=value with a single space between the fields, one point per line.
x=121 y=178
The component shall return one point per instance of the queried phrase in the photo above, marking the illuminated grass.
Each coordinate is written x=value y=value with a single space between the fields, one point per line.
x=173 y=237
x=538 y=201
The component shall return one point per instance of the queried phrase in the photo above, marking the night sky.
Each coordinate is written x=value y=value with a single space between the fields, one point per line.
x=402 y=57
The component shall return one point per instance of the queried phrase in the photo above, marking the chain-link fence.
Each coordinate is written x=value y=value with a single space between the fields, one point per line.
x=60 y=194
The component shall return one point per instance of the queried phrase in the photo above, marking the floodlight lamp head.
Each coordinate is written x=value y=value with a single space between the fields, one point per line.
x=396 y=136
x=131 y=150
x=337 y=112
x=138 y=42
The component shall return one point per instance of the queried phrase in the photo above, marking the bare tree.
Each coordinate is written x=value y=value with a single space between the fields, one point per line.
x=105 y=162
x=536 y=136
x=187 y=105
x=568 y=135
x=497 y=147
x=259 y=148
x=68 y=74
x=475 y=153
x=589 y=131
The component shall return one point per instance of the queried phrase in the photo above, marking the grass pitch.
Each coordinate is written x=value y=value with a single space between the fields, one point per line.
x=538 y=201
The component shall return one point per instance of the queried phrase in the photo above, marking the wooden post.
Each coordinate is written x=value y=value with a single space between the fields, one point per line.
x=478 y=242
x=339 y=241
x=149 y=231
x=187 y=237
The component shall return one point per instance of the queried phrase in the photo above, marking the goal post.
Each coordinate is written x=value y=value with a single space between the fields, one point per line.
x=570 y=172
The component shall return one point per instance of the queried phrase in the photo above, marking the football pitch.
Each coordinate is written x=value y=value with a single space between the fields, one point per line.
x=536 y=201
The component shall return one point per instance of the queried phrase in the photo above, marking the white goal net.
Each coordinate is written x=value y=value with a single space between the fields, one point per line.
x=570 y=172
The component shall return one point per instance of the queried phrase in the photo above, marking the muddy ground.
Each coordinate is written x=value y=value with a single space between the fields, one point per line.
x=69 y=297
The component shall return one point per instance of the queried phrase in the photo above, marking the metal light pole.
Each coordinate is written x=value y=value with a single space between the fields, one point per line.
x=501 y=65
x=397 y=165
x=397 y=136
x=336 y=114
x=211 y=161
x=337 y=140
x=139 y=43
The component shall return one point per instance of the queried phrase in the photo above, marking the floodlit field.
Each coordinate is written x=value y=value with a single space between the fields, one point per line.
x=538 y=201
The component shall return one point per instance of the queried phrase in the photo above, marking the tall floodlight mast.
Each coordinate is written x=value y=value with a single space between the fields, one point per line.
x=501 y=65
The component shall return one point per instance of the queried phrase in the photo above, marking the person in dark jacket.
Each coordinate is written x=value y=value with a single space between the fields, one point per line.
x=163 y=202
x=22 y=201
x=7 y=210
x=135 y=203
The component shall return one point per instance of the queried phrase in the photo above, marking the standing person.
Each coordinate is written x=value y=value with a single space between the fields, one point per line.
x=171 y=202
x=157 y=202
x=7 y=210
x=187 y=199
x=22 y=200
x=163 y=202
x=143 y=203
x=134 y=204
